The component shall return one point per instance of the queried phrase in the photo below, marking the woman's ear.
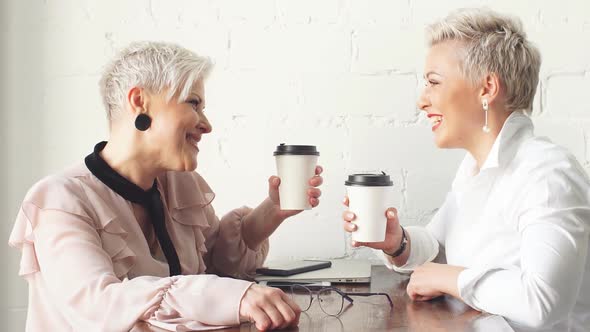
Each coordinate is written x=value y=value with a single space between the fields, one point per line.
x=137 y=99
x=490 y=88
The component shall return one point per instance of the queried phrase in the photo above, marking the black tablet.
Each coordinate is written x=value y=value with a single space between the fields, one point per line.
x=288 y=268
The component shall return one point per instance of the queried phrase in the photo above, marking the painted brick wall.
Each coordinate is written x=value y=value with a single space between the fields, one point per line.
x=341 y=74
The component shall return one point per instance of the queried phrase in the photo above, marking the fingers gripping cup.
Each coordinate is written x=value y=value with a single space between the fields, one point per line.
x=369 y=195
x=295 y=166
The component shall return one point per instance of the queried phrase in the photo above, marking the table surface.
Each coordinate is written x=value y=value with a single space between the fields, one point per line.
x=374 y=314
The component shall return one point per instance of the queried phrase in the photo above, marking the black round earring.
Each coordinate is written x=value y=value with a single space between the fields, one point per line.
x=143 y=122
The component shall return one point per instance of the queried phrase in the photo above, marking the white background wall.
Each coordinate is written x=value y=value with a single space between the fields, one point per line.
x=341 y=74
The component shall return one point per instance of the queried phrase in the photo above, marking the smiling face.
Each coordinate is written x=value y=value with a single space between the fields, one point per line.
x=177 y=128
x=451 y=102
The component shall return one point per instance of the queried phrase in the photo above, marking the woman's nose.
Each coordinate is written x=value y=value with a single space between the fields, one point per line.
x=205 y=125
x=423 y=102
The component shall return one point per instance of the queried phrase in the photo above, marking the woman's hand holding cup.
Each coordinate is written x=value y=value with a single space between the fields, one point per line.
x=313 y=193
x=393 y=231
x=289 y=193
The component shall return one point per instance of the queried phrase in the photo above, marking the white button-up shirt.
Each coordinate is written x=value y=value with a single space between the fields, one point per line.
x=520 y=226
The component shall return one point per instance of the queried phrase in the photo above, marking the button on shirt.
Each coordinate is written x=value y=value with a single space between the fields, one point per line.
x=520 y=226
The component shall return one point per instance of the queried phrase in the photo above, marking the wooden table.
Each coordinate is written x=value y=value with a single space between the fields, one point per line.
x=374 y=314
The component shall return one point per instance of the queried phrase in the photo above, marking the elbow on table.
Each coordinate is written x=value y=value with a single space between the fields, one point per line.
x=536 y=319
x=545 y=309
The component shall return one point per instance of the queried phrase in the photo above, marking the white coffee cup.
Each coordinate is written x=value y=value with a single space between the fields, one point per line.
x=295 y=167
x=369 y=196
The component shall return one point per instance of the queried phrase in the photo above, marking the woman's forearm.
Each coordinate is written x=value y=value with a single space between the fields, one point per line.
x=259 y=224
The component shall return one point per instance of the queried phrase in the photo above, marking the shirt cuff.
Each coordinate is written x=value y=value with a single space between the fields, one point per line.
x=423 y=248
x=206 y=299
x=466 y=283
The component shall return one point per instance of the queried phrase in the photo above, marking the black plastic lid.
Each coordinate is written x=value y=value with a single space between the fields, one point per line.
x=283 y=149
x=369 y=180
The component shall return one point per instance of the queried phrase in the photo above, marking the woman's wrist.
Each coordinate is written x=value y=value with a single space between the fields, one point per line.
x=260 y=223
x=451 y=277
x=402 y=245
x=273 y=211
x=404 y=253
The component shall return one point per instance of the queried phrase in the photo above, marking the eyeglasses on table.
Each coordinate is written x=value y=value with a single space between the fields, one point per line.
x=330 y=299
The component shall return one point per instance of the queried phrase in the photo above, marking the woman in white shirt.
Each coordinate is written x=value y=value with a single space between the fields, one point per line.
x=512 y=236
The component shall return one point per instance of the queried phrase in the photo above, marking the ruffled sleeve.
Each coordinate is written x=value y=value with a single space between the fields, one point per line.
x=22 y=238
x=217 y=305
x=230 y=254
x=68 y=196
x=74 y=279
x=223 y=250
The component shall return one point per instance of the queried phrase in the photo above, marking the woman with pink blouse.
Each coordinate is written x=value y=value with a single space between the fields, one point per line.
x=130 y=235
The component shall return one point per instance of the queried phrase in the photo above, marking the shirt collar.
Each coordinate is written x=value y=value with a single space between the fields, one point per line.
x=150 y=200
x=116 y=182
x=516 y=128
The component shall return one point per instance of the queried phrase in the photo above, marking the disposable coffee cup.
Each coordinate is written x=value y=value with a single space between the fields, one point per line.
x=369 y=196
x=295 y=166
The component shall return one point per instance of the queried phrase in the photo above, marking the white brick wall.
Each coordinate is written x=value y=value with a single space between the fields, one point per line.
x=341 y=74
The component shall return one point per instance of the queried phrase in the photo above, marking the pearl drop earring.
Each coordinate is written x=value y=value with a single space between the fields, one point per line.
x=485 y=106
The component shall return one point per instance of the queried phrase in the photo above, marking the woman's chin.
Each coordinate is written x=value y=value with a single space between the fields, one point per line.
x=186 y=165
x=189 y=162
x=190 y=165
x=440 y=142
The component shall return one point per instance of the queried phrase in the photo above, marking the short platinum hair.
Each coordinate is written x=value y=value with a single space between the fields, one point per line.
x=155 y=66
x=494 y=43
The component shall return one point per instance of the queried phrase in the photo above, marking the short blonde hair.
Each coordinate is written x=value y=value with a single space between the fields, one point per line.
x=155 y=66
x=494 y=43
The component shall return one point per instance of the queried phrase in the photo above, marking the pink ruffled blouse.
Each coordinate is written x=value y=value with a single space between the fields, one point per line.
x=90 y=267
